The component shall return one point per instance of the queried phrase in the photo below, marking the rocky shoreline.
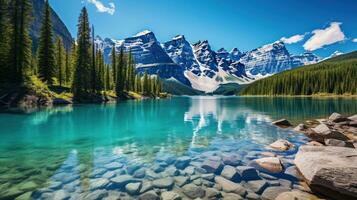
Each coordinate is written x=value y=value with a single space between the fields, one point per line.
x=328 y=162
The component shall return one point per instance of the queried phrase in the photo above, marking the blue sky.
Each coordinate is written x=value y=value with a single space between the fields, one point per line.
x=323 y=26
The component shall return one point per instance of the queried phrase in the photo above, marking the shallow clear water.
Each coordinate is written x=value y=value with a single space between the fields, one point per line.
x=37 y=149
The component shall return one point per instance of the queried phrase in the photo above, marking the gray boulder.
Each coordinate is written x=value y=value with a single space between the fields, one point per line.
x=212 y=166
x=163 y=183
x=322 y=132
x=281 y=145
x=170 y=196
x=353 y=118
x=268 y=164
x=193 y=191
x=338 y=143
x=336 y=117
x=231 y=173
x=257 y=186
x=329 y=170
x=182 y=162
x=272 y=192
x=247 y=173
x=133 y=188
x=150 y=195
x=229 y=186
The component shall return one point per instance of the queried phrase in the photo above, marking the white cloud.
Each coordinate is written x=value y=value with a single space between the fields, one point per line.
x=293 y=39
x=110 y=9
x=354 y=40
x=323 y=37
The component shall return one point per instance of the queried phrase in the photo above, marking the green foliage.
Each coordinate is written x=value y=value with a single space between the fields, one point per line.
x=20 y=41
x=121 y=76
x=60 y=61
x=5 y=32
x=337 y=76
x=114 y=65
x=82 y=74
x=46 y=50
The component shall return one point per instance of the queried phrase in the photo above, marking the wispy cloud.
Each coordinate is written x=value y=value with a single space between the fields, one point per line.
x=323 y=37
x=354 y=40
x=110 y=9
x=293 y=39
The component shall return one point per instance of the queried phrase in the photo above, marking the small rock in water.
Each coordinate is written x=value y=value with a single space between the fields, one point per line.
x=231 y=173
x=293 y=172
x=133 y=188
x=231 y=159
x=300 y=128
x=272 y=192
x=229 y=186
x=212 y=166
x=282 y=123
x=295 y=195
x=212 y=193
x=163 y=183
x=269 y=164
x=99 y=183
x=182 y=162
x=247 y=173
x=140 y=173
x=151 y=195
x=314 y=143
x=193 y=191
x=132 y=168
x=60 y=195
x=258 y=186
x=113 y=166
x=121 y=181
x=181 y=180
x=170 y=196
x=231 y=196
x=281 y=145
x=209 y=177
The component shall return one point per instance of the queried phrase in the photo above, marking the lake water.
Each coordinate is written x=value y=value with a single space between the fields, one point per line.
x=75 y=152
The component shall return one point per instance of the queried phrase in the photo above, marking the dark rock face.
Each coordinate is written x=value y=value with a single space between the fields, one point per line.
x=59 y=28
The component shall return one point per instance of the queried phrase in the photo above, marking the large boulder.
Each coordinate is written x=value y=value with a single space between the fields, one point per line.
x=283 y=123
x=322 y=132
x=329 y=170
x=281 y=145
x=270 y=165
x=353 y=118
x=296 y=195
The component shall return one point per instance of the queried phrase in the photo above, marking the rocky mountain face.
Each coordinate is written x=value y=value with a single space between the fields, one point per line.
x=59 y=28
x=274 y=58
x=199 y=66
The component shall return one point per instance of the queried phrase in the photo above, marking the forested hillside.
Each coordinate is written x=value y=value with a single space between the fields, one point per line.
x=337 y=76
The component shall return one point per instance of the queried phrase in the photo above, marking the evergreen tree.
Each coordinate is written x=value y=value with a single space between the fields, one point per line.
x=5 y=32
x=82 y=74
x=68 y=69
x=114 y=65
x=107 y=78
x=46 y=49
x=146 y=84
x=120 y=83
x=93 y=66
x=60 y=56
x=20 y=41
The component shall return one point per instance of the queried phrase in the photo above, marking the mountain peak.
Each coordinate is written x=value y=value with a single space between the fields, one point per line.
x=179 y=37
x=142 y=33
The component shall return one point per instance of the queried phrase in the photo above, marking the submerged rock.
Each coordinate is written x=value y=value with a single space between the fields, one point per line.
x=151 y=195
x=272 y=192
x=212 y=166
x=182 y=162
x=300 y=128
x=257 y=186
x=231 y=173
x=133 y=188
x=163 y=183
x=229 y=186
x=247 y=173
x=282 y=123
x=269 y=164
x=281 y=145
x=329 y=170
x=296 y=195
x=170 y=196
x=193 y=191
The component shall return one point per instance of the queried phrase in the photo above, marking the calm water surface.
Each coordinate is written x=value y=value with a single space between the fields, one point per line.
x=79 y=140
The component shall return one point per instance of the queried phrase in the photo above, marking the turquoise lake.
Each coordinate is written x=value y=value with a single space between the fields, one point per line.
x=36 y=148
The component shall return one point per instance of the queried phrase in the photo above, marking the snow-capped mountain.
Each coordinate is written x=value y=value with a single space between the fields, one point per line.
x=274 y=58
x=204 y=68
x=334 y=54
x=198 y=65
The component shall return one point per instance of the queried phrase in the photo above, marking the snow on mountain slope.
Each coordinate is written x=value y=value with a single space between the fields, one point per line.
x=274 y=58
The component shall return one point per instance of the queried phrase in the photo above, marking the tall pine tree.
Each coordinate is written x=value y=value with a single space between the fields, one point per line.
x=82 y=74
x=114 y=65
x=20 y=41
x=60 y=56
x=46 y=51
x=5 y=32
x=119 y=84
